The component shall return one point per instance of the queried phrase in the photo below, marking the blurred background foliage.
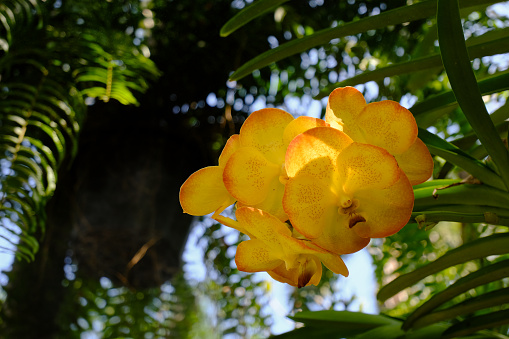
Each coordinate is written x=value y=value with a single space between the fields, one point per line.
x=108 y=106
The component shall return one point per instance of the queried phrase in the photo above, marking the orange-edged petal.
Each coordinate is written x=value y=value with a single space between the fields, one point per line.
x=248 y=175
x=254 y=256
x=231 y=146
x=300 y=125
x=265 y=227
x=331 y=260
x=339 y=238
x=315 y=152
x=389 y=125
x=416 y=162
x=343 y=107
x=273 y=203
x=386 y=211
x=310 y=205
x=204 y=192
x=292 y=276
x=264 y=130
x=364 y=166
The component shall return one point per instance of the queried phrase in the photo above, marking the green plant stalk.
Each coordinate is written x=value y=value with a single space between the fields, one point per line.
x=480 y=277
x=492 y=245
x=464 y=84
x=461 y=194
x=495 y=298
x=430 y=218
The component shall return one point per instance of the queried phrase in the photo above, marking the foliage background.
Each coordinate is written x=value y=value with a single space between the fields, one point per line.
x=107 y=106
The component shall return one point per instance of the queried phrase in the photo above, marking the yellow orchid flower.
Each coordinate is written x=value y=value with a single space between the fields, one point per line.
x=341 y=193
x=385 y=124
x=204 y=191
x=273 y=249
x=255 y=173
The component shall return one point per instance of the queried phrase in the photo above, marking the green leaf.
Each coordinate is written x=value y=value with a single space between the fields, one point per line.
x=421 y=64
x=456 y=156
x=248 y=14
x=480 y=277
x=307 y=333
x=396 y=16
x=478 y=323
x=464 y=84
x=491 y=299
x=386 y=332
x=492 y=245
x=344 y=322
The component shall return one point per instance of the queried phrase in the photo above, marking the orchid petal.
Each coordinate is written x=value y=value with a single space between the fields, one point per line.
x=264 y=226
x=273 y=204
x=204 y=192
x=263 y=130
x=343 y=108
x=339 y=238
x=300 y=125
x=331 y=260
x=386 y=211
x=389 y=125
x=231 y=146
x=254 y=256
x=364 y=166
x=416 y=162
x=315 y=152
x=248 y=175
x=292 y=276
x=310 y=205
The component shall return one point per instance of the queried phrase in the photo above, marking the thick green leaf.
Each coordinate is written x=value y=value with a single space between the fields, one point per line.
x=493 y=245
x=491 y=299
x=346 y=323
x=308 y=332
x=478 y=323
x=386 y=332
x=464 y=84
x=396 y=16
x=248 y=14
x=456 y=156
x=478 y=278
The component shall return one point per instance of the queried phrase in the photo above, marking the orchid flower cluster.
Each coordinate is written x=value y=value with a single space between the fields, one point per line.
x=307 y=190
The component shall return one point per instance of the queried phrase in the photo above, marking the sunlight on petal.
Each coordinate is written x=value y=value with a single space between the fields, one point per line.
x=310 y=205
x=263 y=226
x=204 y=192
x=389 y=125
x=364 y=166
x=315 y=151
x=386 y=211
x=339 y=238
x=416 y=162
x=300 y=125
x=264 y=130
x=231 y=146
x=254 y=256
x=343 y=107
x=248 y=176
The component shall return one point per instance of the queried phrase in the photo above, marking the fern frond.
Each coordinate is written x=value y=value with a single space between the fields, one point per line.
x=112 y=72
x=39 y=125
x=15 y=17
